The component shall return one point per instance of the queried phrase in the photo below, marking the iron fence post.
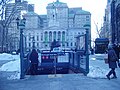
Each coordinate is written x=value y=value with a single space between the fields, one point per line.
x=87 y=26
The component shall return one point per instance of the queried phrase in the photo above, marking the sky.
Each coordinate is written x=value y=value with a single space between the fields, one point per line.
x=97 y=67
x=95 y=7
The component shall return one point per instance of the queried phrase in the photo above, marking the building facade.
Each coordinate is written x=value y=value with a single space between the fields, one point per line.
x=115 y=21
x=106 y=29
x=111 y=25
x=61 y=23
x=117 y=11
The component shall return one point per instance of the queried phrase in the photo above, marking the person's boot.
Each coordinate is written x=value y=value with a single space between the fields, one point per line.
x=108 y=77
x=114 y=77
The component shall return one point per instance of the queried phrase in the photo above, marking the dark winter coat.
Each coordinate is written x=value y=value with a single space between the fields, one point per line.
x=34 y=57
x=112 y=63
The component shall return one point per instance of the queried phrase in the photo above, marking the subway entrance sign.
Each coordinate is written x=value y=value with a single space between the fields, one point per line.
x=101 y=45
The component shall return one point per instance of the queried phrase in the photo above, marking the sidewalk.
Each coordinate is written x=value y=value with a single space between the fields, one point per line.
x=60 y=82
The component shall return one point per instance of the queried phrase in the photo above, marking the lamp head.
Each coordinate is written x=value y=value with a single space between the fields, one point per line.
x=17 y=20
x=86 y=26
x=24 y=20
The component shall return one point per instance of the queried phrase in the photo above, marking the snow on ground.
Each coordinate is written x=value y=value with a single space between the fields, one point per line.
x=15 y=75
x=97 y=72
x=98 y=68
x=6 y=56
x=11 y=66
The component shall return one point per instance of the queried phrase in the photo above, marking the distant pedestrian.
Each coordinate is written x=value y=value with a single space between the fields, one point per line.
x=92 y=51
x=112 y=61
x=34 y=62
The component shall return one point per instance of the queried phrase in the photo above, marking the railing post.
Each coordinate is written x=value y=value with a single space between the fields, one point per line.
x=87 y=51
x=87 y=26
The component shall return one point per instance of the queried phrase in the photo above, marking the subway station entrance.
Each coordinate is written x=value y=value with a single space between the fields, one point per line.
x=63 y=62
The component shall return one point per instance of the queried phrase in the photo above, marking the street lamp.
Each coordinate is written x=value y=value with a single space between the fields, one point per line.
x=21 y=27
x=87 y=26
x=33 y=41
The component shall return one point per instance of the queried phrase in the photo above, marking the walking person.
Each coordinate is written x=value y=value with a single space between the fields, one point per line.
x=34 y=62
x=112 y=62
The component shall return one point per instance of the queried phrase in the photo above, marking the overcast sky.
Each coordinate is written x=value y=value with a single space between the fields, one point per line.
x=95 y=7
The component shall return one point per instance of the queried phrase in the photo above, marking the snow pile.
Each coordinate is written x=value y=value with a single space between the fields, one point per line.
x=97 y=72
x=11 y=66
x=6 y=56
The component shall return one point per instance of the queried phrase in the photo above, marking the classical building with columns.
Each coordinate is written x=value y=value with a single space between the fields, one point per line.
x=61 y=23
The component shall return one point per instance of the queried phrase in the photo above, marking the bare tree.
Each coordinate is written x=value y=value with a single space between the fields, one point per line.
x=6 y=21
x=2 y=7
x=98 y=31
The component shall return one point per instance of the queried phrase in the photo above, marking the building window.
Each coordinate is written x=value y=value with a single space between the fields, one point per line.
x=37 y=38
x=29 y=44
x=46 y=37
x=87 y=19
x=63 y=36
x=46 y=45
x=63 y=44
x=59 y=35
x=37 y=44
x=54 y=35
x=41 y=37
x=87 y=16
x=29 y=50
x=50 y=36
x=29 y=37
x=75 y=43
x=71 y=44
x=67 y=44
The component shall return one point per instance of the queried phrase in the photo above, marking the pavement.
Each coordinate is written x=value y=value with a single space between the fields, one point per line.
x=59 y=82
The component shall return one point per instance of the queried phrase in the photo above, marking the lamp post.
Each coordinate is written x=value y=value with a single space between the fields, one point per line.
x=87 y=26
x=25 y=43
x=33 y=41
x=21 y=27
